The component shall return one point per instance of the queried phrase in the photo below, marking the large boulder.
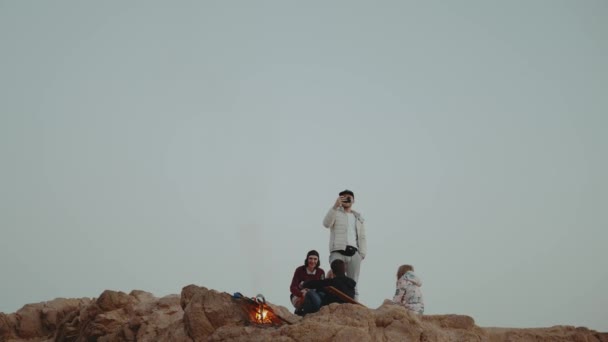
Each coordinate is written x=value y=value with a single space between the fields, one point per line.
x=117 y=316
x=38 y=321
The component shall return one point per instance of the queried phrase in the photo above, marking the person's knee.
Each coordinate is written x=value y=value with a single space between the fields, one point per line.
x=314 y=297
x=312 y=302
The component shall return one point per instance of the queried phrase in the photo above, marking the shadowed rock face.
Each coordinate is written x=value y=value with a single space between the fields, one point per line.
x=200 y=314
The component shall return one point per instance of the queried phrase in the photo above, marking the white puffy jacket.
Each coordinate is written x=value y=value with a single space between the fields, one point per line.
x=337 y=222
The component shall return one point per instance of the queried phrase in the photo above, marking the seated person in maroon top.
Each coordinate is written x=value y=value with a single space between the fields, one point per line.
x=309 y=271
x=315 y=299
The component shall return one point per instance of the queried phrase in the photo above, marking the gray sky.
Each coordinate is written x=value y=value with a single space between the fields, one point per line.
x=152 y=145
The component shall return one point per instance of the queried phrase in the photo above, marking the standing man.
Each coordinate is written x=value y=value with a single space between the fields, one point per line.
x=347 y=235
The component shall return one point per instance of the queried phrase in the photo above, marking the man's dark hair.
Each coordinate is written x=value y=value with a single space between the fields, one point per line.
x=346 y=192
x=338 y=267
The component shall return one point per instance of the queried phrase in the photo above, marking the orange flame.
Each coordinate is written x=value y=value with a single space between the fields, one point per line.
x=261 y=314
x=262 y=317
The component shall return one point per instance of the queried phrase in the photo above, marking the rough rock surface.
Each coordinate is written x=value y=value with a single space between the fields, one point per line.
x=200 y=314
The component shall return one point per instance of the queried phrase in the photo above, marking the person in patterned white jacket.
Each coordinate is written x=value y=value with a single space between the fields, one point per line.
x=408 y=291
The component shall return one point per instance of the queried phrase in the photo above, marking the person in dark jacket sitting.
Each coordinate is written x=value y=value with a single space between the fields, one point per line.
x=315 y=299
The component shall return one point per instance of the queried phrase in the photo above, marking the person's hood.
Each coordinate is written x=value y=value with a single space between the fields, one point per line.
x=411 y=277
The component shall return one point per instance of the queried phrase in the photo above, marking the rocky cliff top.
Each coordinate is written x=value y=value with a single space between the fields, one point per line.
x=201 y=314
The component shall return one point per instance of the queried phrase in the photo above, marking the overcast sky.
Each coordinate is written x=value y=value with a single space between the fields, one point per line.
x=152 y=145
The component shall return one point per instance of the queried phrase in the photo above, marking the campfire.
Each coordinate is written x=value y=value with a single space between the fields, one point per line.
x=262 y=316
x=259 y=312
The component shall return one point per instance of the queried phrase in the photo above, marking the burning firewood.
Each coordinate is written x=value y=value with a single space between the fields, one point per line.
x=258 y=311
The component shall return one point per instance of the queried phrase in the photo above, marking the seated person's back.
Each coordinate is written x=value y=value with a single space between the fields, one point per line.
x=340 y=281
x=408 y=291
